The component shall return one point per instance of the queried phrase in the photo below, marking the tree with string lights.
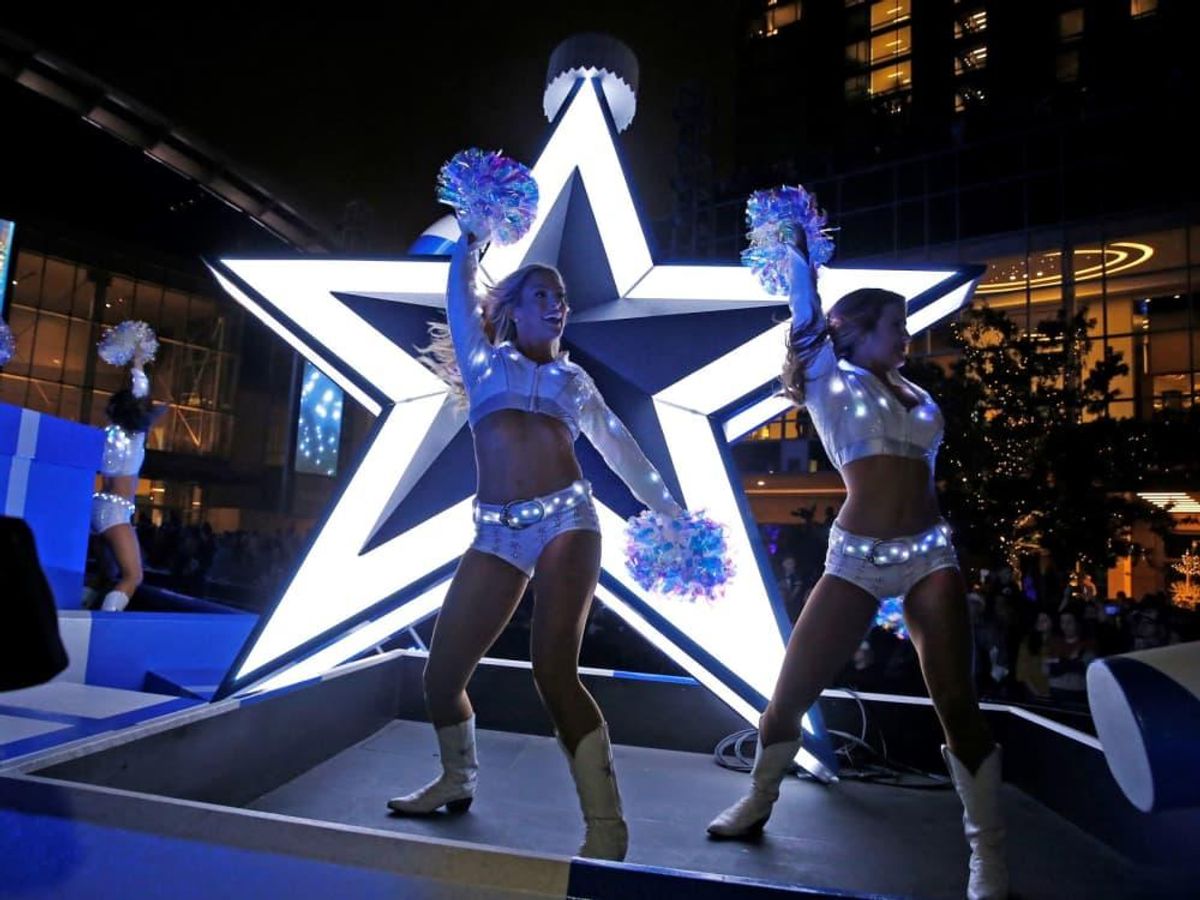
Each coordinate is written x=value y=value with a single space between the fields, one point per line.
x=1187 y=593
x=1031 y=464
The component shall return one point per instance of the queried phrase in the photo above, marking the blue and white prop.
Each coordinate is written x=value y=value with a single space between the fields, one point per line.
x=1146 y=708
x=388 y=579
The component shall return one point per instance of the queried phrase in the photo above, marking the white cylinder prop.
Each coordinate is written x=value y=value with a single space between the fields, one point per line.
x=1146 y=706
x=593 y=56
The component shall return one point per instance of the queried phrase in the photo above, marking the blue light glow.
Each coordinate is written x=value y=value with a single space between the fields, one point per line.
x=7 y=229
x=320 y=424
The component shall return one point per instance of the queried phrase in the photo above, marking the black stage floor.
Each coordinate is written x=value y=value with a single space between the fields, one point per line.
x=855 y=837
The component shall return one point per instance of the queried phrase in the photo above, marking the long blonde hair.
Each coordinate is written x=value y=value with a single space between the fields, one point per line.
x=849 y=321
x=497 y=301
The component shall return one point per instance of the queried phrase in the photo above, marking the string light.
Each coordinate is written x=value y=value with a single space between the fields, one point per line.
x=319 y=424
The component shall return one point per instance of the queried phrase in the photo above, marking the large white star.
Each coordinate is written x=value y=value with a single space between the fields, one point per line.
x=687 y=355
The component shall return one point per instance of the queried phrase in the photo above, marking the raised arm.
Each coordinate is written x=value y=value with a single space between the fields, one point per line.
x=805 y=303
x=810 y=339
x=139 y=381
x=463 y=314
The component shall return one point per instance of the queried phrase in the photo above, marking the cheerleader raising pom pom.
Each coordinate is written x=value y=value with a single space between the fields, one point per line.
x=777 y=220
x=685 y=556
x=491 y=194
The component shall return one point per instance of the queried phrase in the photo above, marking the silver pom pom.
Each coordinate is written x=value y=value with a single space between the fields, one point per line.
x=131 y=340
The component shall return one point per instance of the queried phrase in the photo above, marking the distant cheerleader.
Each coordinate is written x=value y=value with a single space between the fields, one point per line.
x=130 y=415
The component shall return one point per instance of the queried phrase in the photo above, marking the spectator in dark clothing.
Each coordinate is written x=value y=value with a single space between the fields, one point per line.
x=1148 y=623
x=791 y=588
x=1104 y=629
x=1067 y=658
x=1031 y=659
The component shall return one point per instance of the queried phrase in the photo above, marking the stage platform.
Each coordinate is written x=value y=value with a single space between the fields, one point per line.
x=861 y=838
x=285 y=794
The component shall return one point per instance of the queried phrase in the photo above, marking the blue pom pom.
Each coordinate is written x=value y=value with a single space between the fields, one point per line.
x=491 y=194
x=686 y=556
x=890 y=616
x=776 y=219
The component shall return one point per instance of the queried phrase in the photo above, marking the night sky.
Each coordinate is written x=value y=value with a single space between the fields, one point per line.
x=324 y=109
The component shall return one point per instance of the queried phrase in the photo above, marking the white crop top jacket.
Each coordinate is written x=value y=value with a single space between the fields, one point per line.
x=855 y=414
x=501 y=377
x=124 y=451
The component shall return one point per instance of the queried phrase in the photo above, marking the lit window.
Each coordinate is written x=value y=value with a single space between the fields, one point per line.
x=891 y=44
x=781 y=17
x=970 y=23
x=970 y=60
x=1068 y=66
x=858 y=53
x=1070 y=24
x=889 y=12
x=969 y=98
x=1139 y=8
x=890 y=78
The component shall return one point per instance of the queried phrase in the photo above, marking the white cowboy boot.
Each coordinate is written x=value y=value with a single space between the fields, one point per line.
x=455 y=789
x=607 y=836
x=115 y=601
x=748 y=816
x=983 y=824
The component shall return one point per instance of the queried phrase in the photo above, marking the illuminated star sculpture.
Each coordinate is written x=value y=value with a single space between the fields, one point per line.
x=686 y=355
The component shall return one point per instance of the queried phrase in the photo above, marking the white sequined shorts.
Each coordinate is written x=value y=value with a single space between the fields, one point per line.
x=109 y=510
x=892 y=566
x=518 y=531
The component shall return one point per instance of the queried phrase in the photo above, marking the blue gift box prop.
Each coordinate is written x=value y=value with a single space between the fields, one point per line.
x=47 y=474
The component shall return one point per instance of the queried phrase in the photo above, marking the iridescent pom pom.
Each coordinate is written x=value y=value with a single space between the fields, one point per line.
x=128 y=341
x=686 y=556
x=891 y=617
x=492 y=195
x=776 y=218
x=8 y=343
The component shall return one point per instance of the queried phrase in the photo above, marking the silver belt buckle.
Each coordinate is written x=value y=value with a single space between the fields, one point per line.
x=518 y=514
x=882 y=559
